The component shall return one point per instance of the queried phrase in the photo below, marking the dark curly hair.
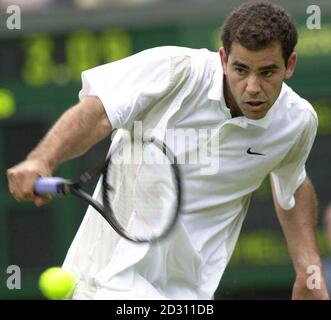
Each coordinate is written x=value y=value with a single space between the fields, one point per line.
x=256 y=25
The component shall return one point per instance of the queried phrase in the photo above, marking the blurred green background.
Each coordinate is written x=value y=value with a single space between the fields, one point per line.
x=40 y=68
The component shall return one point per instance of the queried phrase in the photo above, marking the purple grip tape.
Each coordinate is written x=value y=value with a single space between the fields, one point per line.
x=51 y=185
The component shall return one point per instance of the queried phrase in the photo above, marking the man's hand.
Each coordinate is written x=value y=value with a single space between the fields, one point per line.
x=301 y=290
x=21 y=179
x=75 y=132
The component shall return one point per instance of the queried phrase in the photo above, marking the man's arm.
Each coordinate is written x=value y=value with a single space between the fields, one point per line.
x=299 y=227
x=76 y=131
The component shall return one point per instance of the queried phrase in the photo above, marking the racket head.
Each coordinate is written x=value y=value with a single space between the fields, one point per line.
x=141 y=188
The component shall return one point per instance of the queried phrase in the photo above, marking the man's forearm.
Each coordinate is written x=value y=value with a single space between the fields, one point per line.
x=76 y=131
x=299 y=227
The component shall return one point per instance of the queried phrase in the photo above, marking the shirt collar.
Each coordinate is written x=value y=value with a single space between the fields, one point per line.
x=265 y=121
x=216 y=90
x=261 y=123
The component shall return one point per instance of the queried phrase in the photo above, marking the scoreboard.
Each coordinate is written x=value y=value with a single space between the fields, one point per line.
x=40 y=78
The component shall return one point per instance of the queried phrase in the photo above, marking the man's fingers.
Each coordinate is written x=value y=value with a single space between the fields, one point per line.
x=21 y=179
x=23 y=194
x=40 y=200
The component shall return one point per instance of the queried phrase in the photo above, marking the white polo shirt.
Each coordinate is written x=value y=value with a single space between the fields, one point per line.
x=182 y=88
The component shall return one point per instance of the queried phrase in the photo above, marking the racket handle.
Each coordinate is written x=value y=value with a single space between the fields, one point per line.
x=50 y=185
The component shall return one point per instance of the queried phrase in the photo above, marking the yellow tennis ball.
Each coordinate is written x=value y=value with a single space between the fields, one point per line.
x=56 y=283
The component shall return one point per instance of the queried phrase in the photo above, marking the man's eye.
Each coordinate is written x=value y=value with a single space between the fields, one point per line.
x=267 y=73
x=241 y=71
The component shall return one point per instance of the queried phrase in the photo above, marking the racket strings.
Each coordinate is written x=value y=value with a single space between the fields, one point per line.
x=141 y=190
x=119 y=187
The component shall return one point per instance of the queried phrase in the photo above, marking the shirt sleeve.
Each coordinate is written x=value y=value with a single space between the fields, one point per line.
x=131 y=86
x=291 y=173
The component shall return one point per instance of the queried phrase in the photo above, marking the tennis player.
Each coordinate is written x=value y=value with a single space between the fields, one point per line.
x=264 y=128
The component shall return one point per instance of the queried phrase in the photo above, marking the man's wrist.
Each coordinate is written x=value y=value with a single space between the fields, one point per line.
x=46 y=160
x=308 y=267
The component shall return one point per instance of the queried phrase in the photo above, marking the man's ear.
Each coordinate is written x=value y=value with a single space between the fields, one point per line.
x=291 y=64
x=224 y=59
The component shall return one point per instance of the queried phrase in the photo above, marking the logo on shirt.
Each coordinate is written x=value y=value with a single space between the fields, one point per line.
x=249 y=151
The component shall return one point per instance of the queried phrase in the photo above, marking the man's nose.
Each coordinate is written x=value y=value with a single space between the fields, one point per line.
x=253 y=87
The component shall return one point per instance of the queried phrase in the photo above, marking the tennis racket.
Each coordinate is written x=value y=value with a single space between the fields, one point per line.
x=141 y=188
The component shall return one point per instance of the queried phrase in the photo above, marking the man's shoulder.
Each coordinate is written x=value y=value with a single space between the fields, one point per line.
x=195 y=56
x=178 y=50
x=296 y=106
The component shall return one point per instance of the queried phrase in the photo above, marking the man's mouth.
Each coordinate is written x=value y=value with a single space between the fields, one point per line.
x=255 y=103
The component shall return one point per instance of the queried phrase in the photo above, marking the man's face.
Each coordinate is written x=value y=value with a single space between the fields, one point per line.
x=254 y=78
